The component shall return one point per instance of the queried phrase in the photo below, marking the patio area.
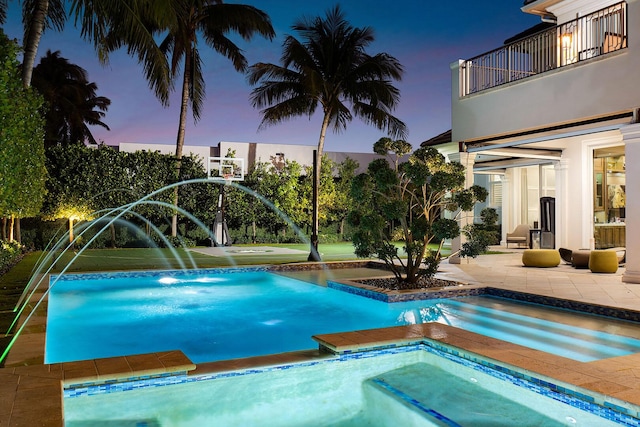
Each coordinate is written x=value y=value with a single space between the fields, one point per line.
x=505 y=271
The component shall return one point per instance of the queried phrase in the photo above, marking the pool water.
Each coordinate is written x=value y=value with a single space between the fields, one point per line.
x=216 y=316
x=419 y=386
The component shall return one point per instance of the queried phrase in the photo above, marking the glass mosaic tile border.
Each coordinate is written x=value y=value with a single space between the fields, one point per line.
x=600 y=310
x=154 y=273
x=415 y=403
x=219 y=270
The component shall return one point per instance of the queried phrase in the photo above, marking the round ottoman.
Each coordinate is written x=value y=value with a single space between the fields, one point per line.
x=580 y=258
x=603 y=261
x=540 y=258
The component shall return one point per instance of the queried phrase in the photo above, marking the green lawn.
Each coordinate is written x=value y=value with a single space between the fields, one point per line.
x=152 y=259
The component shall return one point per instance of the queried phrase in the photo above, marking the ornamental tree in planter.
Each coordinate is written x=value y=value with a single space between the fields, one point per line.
x=411 y=192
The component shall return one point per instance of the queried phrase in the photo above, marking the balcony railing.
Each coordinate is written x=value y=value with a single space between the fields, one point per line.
x=584 y=38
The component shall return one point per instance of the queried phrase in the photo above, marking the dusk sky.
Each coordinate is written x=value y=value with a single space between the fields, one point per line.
x=425 y=36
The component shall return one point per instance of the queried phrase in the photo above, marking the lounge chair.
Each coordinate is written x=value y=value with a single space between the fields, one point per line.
x=580 y=258
x=520 y=235
x=566 y=255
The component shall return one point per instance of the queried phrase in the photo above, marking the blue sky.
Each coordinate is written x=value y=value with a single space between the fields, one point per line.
x=425 y=36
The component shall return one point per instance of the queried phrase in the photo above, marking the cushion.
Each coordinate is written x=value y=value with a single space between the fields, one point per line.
x=603 y=261
x=580 y=258
x=540 y=258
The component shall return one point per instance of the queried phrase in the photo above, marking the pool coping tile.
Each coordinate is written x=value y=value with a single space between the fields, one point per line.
x=119 y=369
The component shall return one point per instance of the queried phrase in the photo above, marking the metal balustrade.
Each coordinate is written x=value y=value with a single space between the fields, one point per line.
x=578 y=40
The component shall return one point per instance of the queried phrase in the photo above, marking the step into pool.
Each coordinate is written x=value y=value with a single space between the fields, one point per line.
x=454 y=398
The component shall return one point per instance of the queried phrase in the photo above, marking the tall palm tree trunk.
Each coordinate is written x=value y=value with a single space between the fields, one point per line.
x=315 y=254
x=32 y=40
x=181 y=131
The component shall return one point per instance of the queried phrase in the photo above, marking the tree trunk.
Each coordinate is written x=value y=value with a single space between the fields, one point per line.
x=11 y=221
x=315 y=254
x=70 y=230
x=32 y=40
x=253 y=231
x=4 y=228
x=181 y=131
x=18 y=235
x=112 y=228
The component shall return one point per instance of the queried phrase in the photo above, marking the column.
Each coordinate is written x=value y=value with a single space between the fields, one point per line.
x=562 y=206
x=631 y=139
x=464 y=218
x=506 y=220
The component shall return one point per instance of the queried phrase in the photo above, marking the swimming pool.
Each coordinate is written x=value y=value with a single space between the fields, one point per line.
x=224 y=314
x=423 y=385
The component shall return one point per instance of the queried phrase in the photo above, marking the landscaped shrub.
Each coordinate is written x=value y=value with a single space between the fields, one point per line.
x=481 y=235
x=328 y=238
x=10 y=254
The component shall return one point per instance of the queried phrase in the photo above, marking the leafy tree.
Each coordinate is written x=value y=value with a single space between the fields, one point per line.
x=201 y=200
x=329 y=68
x=243 y=208
x=326 y=191
x=280 y=187
x=70 y=187
x=72 y=103
x=413 y=194
x=343 y=201
x=84 y=181
x=22 y=160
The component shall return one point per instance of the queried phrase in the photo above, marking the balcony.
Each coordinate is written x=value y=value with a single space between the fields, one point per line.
x=582 y=39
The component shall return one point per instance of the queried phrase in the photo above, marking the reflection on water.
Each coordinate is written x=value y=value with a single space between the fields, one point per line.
x=432 y=313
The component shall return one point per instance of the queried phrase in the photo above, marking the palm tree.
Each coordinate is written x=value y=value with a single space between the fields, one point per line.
x=3 y=11
x=72 y=103
x=36 y=16
x=214 y=20
x=329 y=68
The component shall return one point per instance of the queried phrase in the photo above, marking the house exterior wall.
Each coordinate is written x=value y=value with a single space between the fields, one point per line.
x=599 y=87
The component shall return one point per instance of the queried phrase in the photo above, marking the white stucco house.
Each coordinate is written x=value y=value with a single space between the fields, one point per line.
x=554 y=112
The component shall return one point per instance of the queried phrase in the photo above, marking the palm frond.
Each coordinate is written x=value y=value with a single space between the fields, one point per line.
x=381 y=119
x=286 y=110
x=241 y=19
x=133 y=24
x=224 y=46
x=4 y=5
x=196 y=85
